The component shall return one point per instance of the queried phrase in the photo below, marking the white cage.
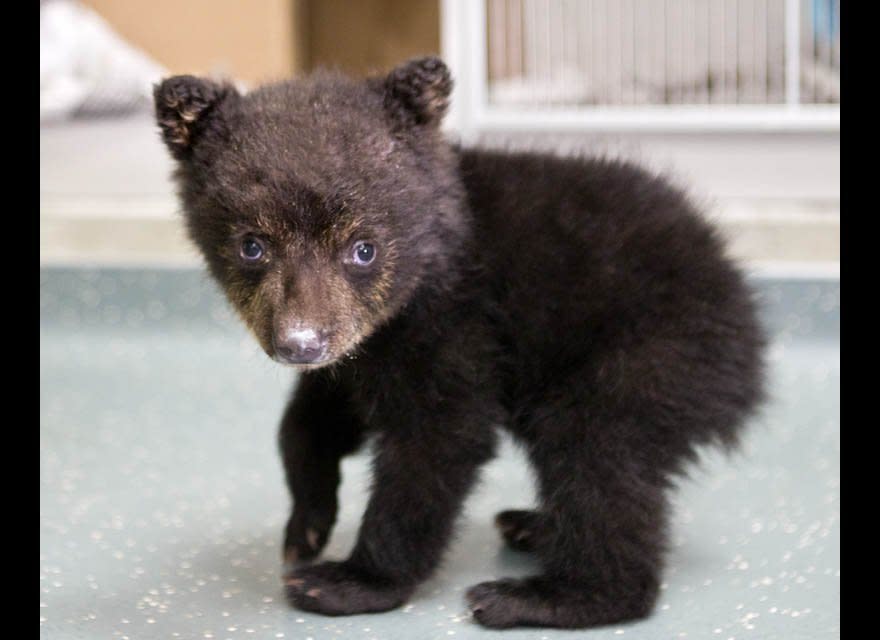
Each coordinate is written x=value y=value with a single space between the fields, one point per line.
x=658 y=65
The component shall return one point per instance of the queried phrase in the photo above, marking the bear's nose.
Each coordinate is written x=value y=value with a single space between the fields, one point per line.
x=300 y=346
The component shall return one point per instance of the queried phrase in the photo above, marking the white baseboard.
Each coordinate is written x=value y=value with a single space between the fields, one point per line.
x=783 y=238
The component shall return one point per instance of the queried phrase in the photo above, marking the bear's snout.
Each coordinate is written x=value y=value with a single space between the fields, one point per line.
x=302 y=345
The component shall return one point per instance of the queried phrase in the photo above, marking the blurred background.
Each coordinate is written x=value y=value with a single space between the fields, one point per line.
x=738 y=99
x=162 y=499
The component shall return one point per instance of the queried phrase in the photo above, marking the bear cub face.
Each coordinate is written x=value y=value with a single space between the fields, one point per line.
x=319 y=205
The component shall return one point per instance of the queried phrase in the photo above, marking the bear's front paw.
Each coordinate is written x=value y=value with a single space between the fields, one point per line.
x=305 y=537
x=339 y=589
x=497 y=603
x=545 y=601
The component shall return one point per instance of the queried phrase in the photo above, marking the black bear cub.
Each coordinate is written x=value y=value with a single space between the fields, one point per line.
x=430 y=295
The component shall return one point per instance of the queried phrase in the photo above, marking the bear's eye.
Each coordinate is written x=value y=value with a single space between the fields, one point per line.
x=251 y=249
x=363 y=253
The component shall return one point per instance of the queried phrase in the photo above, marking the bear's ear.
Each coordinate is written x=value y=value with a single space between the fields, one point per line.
x=185 y=107
x=418 y=91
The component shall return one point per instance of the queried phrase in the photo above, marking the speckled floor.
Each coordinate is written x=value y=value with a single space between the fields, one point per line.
x=162 y=500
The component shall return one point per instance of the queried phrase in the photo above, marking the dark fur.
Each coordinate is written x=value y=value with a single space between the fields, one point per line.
x=582 y=304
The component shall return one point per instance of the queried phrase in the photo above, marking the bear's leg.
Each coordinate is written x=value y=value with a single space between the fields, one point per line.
x=420 y=480
x=601 y=527
x=317 y=429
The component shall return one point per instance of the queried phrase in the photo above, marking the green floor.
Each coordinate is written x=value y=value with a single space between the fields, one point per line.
x=162 y=499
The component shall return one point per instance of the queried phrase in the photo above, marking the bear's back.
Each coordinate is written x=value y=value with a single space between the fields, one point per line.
x=583 y=254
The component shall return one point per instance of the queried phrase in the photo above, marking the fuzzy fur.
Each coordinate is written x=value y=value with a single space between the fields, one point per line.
x=581 y=304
